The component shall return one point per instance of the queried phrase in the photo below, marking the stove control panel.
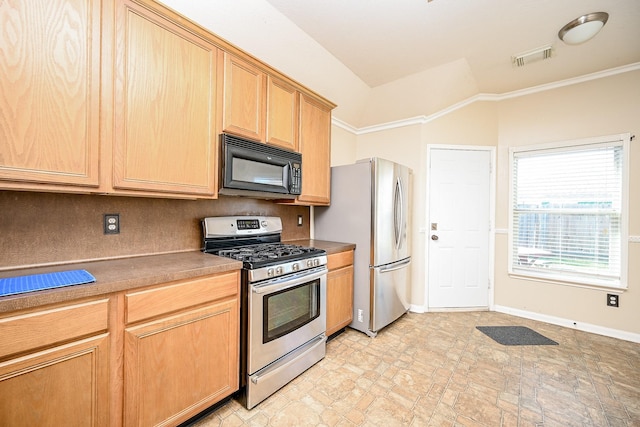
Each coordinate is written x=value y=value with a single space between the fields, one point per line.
x=229 y=226
x=285 y=268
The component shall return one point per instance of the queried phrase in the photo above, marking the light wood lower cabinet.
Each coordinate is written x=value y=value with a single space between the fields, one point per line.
x=179 y=364
x=151 y=357
x=51 y=373
x=339 y=291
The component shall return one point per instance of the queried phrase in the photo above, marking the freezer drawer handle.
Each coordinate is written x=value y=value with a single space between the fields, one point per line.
x=395 y=266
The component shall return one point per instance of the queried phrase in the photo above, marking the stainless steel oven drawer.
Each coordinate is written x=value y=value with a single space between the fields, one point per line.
x=268 y=380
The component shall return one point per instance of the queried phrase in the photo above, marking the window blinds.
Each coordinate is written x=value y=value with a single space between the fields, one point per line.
x=567 y=213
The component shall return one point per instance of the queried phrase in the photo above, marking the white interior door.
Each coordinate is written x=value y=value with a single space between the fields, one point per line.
x=459 y=228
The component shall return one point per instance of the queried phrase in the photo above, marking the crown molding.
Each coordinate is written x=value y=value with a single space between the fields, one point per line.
x=418 y=120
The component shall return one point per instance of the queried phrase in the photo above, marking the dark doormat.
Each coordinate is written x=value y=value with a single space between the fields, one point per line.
x=515 y=335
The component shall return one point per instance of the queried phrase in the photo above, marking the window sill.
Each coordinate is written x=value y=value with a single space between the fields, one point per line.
x=556 y=281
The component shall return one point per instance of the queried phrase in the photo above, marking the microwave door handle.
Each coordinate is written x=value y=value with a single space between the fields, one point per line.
x=288 y=173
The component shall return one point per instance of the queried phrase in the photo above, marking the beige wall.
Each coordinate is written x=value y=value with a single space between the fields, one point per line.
x=599 y=107
x=343 y=146
x=475 y=124
x=405 y=146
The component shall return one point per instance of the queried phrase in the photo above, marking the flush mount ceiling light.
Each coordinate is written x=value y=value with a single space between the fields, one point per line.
x=583 y=28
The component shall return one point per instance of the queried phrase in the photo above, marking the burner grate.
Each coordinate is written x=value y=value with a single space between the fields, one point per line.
x=265 y=252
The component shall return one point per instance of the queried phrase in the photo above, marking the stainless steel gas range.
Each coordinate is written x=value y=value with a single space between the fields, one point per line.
x=283 y=308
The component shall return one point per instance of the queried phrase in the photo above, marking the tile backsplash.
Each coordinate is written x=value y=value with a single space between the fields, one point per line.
x=51 y=228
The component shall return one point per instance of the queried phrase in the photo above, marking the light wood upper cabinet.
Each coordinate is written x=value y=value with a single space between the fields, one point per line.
x=127 y=97
x=282 y=114
x=49 y=108
x=165 y=135
x=315 y=147
x=244 y=98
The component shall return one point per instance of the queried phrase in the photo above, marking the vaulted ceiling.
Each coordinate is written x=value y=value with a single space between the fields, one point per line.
x=385 y=40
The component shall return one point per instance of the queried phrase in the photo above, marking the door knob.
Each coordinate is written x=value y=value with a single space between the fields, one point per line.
x=434 y=237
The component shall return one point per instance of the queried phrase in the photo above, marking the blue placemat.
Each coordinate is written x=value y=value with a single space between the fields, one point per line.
x=38 y=282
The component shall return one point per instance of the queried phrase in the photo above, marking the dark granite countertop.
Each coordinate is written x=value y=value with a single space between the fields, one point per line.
x=118 y=275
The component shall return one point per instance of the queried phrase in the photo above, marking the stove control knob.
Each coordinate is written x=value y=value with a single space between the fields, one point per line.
x=316 y=262
x=309 y=263
x=295 y=267
x=278 y=271
x=270 y=272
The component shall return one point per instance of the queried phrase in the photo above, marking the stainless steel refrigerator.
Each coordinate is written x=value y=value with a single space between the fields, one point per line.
x=370 y=207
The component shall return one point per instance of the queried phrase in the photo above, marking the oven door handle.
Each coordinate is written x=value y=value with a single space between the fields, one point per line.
x=287 y=282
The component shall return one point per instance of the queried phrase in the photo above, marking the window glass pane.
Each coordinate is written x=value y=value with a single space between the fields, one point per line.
x=567 y=207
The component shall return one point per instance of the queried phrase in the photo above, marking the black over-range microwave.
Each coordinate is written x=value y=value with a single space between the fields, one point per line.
x=250 y=168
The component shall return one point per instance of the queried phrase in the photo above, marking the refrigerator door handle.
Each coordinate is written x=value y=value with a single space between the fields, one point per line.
x=395 y=266
x=398 y=213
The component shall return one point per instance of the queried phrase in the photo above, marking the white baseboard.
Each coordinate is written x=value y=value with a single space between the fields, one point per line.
x=417 y=309
x=585 y=327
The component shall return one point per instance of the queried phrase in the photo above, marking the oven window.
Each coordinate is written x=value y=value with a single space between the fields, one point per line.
x=289 y=309
x=256 y=172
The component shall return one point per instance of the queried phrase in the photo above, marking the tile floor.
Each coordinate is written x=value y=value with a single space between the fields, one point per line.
x=436 y=369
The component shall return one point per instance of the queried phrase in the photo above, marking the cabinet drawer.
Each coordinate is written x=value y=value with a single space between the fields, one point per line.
x=46 y=327
x=339 y=260
x=153 y=302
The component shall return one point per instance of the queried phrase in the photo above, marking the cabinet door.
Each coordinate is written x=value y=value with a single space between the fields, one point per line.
x=178 y=366
x=244 y=99
x=282 y=114
x=50 y=91
x=165 y=99
x=63 y=386
x=339 y=298
x=315 y=147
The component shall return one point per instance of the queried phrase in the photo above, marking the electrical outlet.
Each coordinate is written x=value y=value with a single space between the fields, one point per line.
x=613 y=300
x=111 y=223
x=299 y=220
x=360 y=315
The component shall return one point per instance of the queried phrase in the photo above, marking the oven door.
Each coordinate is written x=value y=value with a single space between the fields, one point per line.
x=284 y=313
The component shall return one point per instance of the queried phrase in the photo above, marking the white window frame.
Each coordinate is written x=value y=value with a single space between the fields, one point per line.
x=559 y=277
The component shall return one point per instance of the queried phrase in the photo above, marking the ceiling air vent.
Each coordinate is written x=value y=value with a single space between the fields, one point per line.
x=526 y=58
